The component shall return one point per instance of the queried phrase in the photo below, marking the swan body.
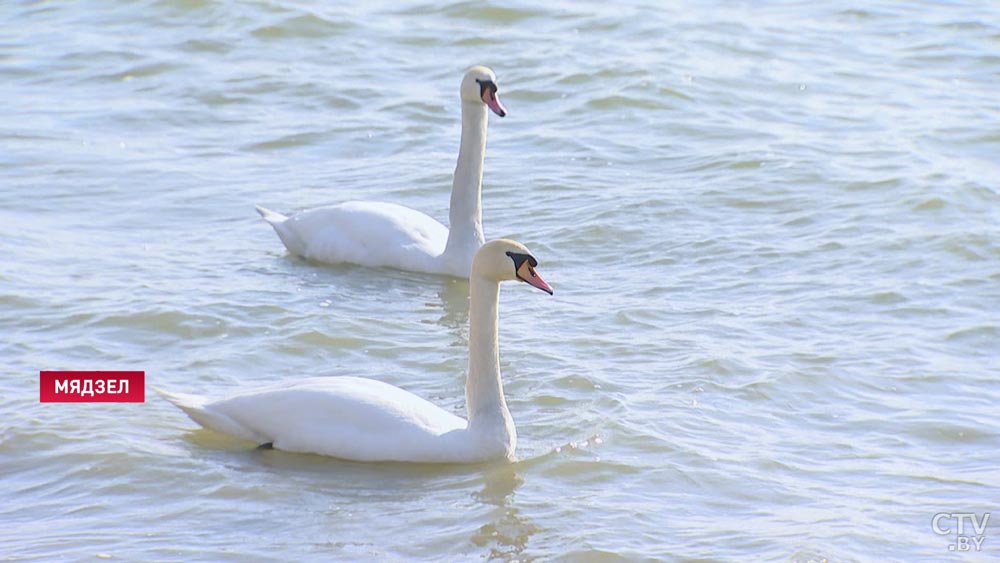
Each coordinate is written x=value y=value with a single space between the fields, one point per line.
x=347 y=417
x=389 y=235
x=368 y=233
x=364 y=419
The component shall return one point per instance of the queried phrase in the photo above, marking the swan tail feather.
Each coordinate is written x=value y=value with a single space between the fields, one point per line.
x=288 y=237
x=198 y=410
x=272 y=217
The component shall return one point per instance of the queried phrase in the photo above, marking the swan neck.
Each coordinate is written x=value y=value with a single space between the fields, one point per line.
x=483 y=388
x=465 y=218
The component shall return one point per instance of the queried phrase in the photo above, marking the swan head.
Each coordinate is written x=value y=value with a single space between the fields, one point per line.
x=507 y=260
x=480 y=87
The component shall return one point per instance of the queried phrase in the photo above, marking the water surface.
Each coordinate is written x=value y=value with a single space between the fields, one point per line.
x=772 y=229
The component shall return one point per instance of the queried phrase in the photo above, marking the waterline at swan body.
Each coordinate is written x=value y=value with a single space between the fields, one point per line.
x=364 y=419
x=384 y=234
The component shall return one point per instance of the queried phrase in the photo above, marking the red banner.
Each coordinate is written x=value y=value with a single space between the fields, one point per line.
x=92 y=387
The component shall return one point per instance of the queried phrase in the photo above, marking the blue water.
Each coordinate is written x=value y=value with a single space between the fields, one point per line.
x=772 y=229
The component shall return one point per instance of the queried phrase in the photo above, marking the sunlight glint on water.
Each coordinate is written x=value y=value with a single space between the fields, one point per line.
x=772 y=230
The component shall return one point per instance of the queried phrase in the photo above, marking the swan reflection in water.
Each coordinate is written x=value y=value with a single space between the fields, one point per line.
x=454 y=295
x=507 y=534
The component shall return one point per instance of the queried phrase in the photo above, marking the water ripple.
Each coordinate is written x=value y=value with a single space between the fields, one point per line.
x=774 y=254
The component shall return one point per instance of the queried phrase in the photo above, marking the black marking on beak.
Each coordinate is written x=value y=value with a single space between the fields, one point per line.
x=525 y=264
x=484 y=84
x=519 y=259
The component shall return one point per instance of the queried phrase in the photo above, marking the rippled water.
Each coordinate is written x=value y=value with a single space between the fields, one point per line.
x=772 y=229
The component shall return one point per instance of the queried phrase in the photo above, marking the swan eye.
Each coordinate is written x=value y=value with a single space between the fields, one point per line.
x=486 y=84
x=524 y=270
x=520 y=259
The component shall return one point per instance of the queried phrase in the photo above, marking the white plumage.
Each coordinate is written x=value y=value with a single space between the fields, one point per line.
x=367 y=420
x=386 y=234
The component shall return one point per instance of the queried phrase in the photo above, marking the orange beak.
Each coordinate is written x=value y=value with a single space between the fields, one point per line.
x=528 y=275
x=490 y=99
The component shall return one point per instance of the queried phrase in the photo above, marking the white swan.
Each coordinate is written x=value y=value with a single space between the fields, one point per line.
x=367 y=420
x=385 y=234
